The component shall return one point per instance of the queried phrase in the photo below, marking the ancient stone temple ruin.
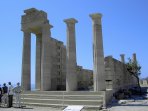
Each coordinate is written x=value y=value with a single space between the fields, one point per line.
x=56 y=65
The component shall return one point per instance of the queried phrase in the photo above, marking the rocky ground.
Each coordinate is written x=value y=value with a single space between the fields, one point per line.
x=31 y=108
x=129 y=105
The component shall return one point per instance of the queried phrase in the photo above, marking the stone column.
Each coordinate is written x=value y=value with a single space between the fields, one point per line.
x=134 y=57
x=26 y=61
x=122 y=58
x=71 y=76
x=134 y=60
x=45 y=59
x=38 y=61
x=98 y=54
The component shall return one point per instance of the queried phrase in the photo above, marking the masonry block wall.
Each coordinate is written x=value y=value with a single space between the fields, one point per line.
x=85 y=78
x=58 y=67
x=116 y=75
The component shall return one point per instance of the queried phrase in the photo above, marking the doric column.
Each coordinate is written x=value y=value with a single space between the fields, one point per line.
x=45 y=59
x=134 y=57
x=122 y=58
x=38 y=61
x=26 y=63
x=98 y=54
x=71 y=76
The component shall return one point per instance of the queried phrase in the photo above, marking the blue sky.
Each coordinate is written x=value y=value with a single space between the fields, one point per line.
x=124 y=22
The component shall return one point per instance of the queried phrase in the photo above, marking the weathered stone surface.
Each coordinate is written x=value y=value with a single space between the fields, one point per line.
x=45 y=60
x=36 y=22
x=71 y=76
x=98 y=54
x=56 y=66
x=122 y=58
x=118 y=76
x=38 y=61
x=26 y=61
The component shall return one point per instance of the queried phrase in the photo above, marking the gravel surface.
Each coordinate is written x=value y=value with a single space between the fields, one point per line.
x=129 y=105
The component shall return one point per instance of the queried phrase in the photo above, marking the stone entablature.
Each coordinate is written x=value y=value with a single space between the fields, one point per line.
x=34 y=20
x=33 y=15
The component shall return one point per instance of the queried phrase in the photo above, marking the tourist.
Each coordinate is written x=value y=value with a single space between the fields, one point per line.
x=5 y=94
x=17 y=90
x=0 y=94
x=10 y=94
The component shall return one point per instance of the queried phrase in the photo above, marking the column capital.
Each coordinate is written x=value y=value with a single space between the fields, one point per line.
x=96 y=17
x=47 y=26
x=70 y=21
x=122 y=55
x=26 y=31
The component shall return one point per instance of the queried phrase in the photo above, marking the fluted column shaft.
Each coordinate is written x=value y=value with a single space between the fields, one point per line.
x=45 y=59
x=26 y=61
x=71 y=76
x=98 y=54
x=38 y=61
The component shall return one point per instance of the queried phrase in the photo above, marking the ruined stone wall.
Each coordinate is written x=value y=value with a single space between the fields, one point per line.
x=58 y=67
x=116 y=74
x=85 y=78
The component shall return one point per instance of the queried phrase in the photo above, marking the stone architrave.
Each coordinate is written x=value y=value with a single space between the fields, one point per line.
x=26 y=61
x=98 y=54
x=71 y=76
x=122 y=58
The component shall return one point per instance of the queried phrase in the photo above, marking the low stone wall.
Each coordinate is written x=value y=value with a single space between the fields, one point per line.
x=108 y=95
x=85 y=78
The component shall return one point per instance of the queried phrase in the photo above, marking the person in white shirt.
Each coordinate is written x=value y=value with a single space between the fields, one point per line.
x=18 y=90
x=10 y=94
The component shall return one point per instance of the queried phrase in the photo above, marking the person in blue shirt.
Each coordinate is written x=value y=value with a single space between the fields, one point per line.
x=0 y=94
x=5 y=95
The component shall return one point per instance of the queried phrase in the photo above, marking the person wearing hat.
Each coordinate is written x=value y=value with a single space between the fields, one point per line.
x=10 y=94
x=17 y=90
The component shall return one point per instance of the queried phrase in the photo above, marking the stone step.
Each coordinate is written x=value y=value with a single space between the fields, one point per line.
x=62 y=98
x=64 y=105
x=65 y=93
x=65 y=101
x=73 y=97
